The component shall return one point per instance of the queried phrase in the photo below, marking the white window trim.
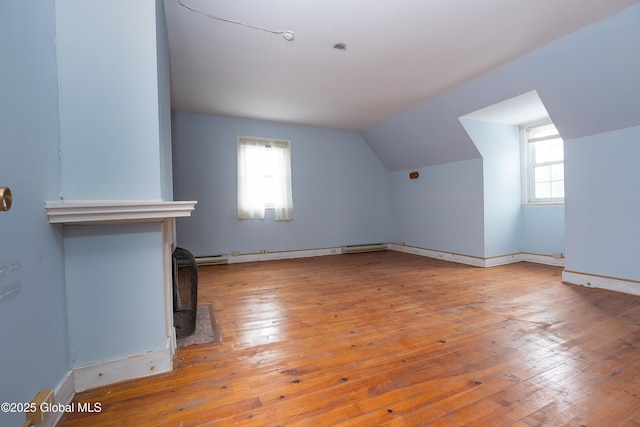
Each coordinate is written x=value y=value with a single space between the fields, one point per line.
x=283 y=211
x=525 y=177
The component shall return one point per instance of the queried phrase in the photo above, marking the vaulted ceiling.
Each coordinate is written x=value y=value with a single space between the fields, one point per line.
x=398 y=54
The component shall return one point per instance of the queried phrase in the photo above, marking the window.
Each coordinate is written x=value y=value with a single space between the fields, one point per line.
x=264 y=178
x=545 y=164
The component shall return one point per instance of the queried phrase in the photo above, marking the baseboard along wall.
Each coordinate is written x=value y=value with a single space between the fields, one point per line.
x=446 y=256
x=602 y=282
x=127 y=368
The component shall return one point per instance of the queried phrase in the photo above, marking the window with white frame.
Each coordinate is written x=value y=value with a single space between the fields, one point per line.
x=264 y=178
x=544 y=157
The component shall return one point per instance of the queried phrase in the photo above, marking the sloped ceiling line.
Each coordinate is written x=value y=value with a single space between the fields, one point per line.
x=411 y=69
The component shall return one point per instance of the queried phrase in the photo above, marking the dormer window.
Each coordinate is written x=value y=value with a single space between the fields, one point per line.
x=544 y=158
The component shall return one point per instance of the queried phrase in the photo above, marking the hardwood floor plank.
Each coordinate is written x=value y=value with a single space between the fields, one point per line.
x=393 y=339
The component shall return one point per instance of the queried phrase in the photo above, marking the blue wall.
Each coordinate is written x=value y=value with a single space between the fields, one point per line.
x=499 y=145
x=107 y=59
x=164 y=103
x=442 y=209
x=603 y=204
x=115 y=294
x=115 y=136
x=33 y=324
x=588 y=83
x=340 y=188
x=509 y=226
x=543 y=230
x=83 y=109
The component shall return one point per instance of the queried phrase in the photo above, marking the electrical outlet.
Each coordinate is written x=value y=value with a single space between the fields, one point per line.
x=263 y=251
x=558 y=255
x=235 y=253
x=43 y=400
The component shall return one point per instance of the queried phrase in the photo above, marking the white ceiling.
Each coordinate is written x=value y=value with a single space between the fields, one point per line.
x=399 y=53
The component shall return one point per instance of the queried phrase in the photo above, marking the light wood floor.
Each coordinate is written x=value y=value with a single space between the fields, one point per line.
x=394 y=339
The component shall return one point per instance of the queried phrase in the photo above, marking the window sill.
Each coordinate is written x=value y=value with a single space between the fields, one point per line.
x=543 y=205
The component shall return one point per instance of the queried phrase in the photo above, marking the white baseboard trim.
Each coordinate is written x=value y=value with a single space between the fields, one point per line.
x=502 y=260
x=524 y=257
x=543 y=259
x=88 y=377
x=445 y=256
x=430 y=253
x=272 y=256
x=477 y=261
x=63 y=394
x=114 y=371
x=602 y=282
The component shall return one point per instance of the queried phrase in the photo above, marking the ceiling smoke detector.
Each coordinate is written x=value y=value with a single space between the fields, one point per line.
x=288 y=35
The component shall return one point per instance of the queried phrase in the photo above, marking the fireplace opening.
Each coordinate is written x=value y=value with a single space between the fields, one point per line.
x=185 y=292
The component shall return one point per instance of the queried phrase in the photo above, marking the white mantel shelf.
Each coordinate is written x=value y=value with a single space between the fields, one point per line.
x=78 y=212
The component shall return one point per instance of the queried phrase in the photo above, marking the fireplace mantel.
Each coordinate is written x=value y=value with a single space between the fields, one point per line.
x=101 y=213
x=79 y=212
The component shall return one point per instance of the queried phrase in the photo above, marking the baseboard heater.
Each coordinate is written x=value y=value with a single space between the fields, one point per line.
x=353 y=249
x=212 y=260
